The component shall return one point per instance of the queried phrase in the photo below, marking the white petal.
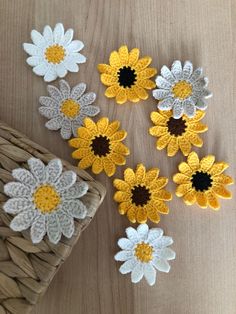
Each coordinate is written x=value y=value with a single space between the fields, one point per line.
x=206 y=94
x=54 y=124
x=71 y=66
x=189 y=109
x=196 y=75
x=75 y=46
x=176 y=69
x=61 y=70
x=49 y=112
x=24 y=176
x=166 y=104
x=137 y=273
x=16 y=205
x=132 y=234
x=167 y=254
x=90 y=111
x=50 y=75
x=162 y=242
x=47 y=34
x=123 y=255
x=75 y=208
x=143 y=231
x=53 y=170
x=34 y=61
x=53 y=228
x=66 y=224
x=201 y=105
x=127 y=266
x=41 y=69
x=161 y=264
x=66 y=180
x=37 y=168
x=48 y=101
x=58 y=32
x=200 y=84
x=150 y=274
x=23 y=220
x=161 y=93
x=64 y=88
x=166 y=73
x=187 y=70
x=75 y=126
x=78 y=57
x=77 y=91
x=154 y=234
x=38 y=229
x=87 y=99
x=16 y=189
x=178 y=109
x=76 y=191
x=163 y=83
x=66 y=129
x=37 y=38
x=125 y=244
x=54 y=93
x=32 y=49
x=67 y=37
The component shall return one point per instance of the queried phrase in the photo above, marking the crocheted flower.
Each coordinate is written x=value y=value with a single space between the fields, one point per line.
x=45 y=199
x=143 y=252
x=202 y=181
x=181 y=89
x=127 y=76
x=54 y=53
x=177 y=133
x=67 y=108
x=141 y=194
x=99 y=145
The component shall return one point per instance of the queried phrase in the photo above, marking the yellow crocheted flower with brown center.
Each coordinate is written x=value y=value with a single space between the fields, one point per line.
x=202 y=181
x=127 y=76
x=141 y=194
x=99 y=145
x=177 y=133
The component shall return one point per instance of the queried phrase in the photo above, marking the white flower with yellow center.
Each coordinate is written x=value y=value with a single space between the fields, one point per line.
x=181 y=89
x=54 y=53
x=143 y=252
x=66 y=108
x=45 y=199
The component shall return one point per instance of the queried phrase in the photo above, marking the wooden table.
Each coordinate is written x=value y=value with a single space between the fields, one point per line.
x=202 y=279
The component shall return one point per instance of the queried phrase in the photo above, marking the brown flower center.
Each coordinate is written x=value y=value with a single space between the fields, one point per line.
x=140 y=195
x=201 y=181
x=126 y=76
x=100 y=145
x=176 y=127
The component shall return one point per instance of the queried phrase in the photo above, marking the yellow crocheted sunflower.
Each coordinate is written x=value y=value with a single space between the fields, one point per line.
x=177 y=133
x=127 y=76
x=202 y=181
x=99 y=145
x=141 y=194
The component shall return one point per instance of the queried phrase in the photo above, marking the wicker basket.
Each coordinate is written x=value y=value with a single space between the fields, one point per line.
x=26 y=270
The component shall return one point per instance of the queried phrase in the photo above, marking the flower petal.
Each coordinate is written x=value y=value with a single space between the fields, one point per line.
x=137 y=273
x=221 y=191
x=97 y=166
x=48 y=34
x=37 y=38
x=124 y=55
x=183 y=189
x=66 y=129
x=118 y=136
x=76 y=191
x=53 y=228
x=16 y=189
x=176 y=69
x=166 y=104
x=133 y=56
x=64 y=88
x=31 y=49
x=178 y=109
x=41 y=69
x=161 y=264
x=66 y=180
x=128 y=266
x=141 y=92
x=189 y=109
x=129 y=176
x=167 y=254
x=166 y=73
x=185 y=169
x=163 y=141
x=212 y=200
x=37 y=168
x=102 y=125
x=123 y=255
x=193 y=161
x=87 y=99
x=190 y=197
x=180 y=178
x=150 y=274
x=67 y=38
x=132 y=235
x=218 y=168
x=125 y=244
x=58 y=32
x=24 y=176
x=187 y=70
x=196 y=75
x=17 y=205
x=141 y=215
x=184 y=145
x=143 y=231
x=142 y=63
x=163 y=83
x=50 y=75
x=115 y=60
x=38 y=229
x=74 y=208
x=55 y=123
x=75 y=46
x=207 y=162
x=23 y=220
x=154 y=234
x=121 y=96
x=53 y=170
x=86 y=161
x=159 y=94
x=140 y=173
x=201 y=199
x=66 y=224
x=48 y=102
x=77 y=91
x=172 y=147
x=153 y=214
x=49 y=112
x=112 y=91
x=109 y=167
x=55 y=93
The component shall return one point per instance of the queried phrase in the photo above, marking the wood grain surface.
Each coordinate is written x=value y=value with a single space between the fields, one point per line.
x=202 y=279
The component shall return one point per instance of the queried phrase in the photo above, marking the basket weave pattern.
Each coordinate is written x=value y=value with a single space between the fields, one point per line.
x=26 y=270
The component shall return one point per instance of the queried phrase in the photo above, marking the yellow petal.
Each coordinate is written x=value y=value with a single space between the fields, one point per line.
x=118 y=159
x=81 y=153
x=129 y=176
x=120 y=197
x=207 y=162
x=221 y=191
x=197 y=127
x=190 y=197
x=163 y=141
x=223 y=179
x=151 y=175
x=121 y=97
x=212 y=200
x=97 y=166
x=84 y=133
x=140 y=173
x=158 y=119
x=142 y=63
x=157 y=130
x=131 y=214
x=201 y=199
x=218 y=168
x=133 y=56
x=78 y=142
x=158 y=184
x=182 y=189
x=185 y=169
x=147 y=73
x=198 y=116
x=108 y=79
x=124 y=207
x=172 y=147
x=194 y=139
x=121 y=185
x=141 y=215
x=120 y=148
x=124 y=55
x=90 y=125
x=153 y=214
x=105 y=68
x=193 y=161
x=161 y=207
x=102 y=125
x=180 y=178
x=112 y=91
x=118 y=136
x=86 y=161
x=147 y=84
x=142 y=94
x=162 y=195
x=112 y=128
x=184 y=145
x=109 y=167
x=131 y=95
x=115 y=60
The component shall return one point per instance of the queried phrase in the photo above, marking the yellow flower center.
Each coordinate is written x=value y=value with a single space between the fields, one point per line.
x=46 y=198
x=182 y=90
x=70 y=108
x=55 y=54
x=143 y=252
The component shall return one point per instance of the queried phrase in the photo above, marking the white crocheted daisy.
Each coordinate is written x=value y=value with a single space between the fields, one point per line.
x=144 y=251
x=181 y=89
x=45 y=199
x=67 y=108
x=54 y=53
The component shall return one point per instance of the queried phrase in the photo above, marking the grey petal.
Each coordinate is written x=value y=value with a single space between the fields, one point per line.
x=66 y=180
x=76 y=191
x=23 y=220
x=38 y=229
x=201 y=105
x=166 y=104
x=49 y=112
x=16 y=189
x=37 y=168
x=54 y=93
x=75 y=125
x=66 y=129
x=77 y=91
x=48 y=101
x=87 y=99
x=16 y=205
x=55 y=123
x=189 y=109
x=53 y=170
x=196 y=75
x=75 y=208
x=53 y=228
x=176 y=69
x=64 y=88
x=24 y=176
x=161 y=93
x=66 y=224
x=90 y=111
x=187 y=70
x=166 y=73
x=163 y=83
x=178 y=109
